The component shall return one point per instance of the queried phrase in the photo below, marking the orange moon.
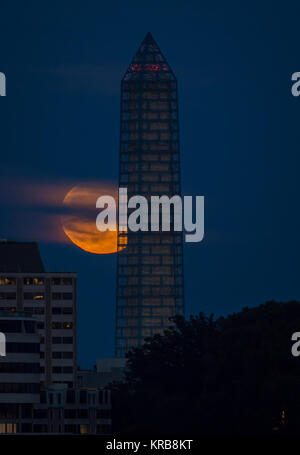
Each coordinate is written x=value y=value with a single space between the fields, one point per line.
x=79 y=219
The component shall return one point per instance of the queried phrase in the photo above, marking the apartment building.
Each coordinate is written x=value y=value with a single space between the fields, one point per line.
x=19 y=371
x=51 y=299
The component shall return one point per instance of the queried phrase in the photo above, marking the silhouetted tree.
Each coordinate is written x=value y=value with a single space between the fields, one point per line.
x=231 y=375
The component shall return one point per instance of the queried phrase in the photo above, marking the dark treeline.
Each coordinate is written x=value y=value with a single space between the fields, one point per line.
x=207 y=376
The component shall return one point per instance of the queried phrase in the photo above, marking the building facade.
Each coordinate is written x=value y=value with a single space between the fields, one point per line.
x=38 y=374
x=19 y=370
x=25 y=406
x=51 y=299
x=150 y=268
x=73 y=411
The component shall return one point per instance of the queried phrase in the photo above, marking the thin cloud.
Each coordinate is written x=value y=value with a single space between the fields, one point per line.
x=36 y=210
x=83 y=78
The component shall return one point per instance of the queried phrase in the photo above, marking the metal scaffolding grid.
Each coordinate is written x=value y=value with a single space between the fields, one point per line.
x=150 y=286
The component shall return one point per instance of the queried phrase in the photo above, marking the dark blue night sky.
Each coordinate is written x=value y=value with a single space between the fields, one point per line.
x=239 y=138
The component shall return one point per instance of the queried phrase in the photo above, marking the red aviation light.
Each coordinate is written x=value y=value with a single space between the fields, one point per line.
x=148 y=67
x=136 y=67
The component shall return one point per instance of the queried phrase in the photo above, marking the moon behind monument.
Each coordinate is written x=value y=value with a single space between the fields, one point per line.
x=79 y=218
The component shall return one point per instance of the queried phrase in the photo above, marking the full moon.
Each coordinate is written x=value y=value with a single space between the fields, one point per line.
x=79 y=218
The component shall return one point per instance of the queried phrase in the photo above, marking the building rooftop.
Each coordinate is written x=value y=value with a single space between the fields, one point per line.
x=20 y=257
